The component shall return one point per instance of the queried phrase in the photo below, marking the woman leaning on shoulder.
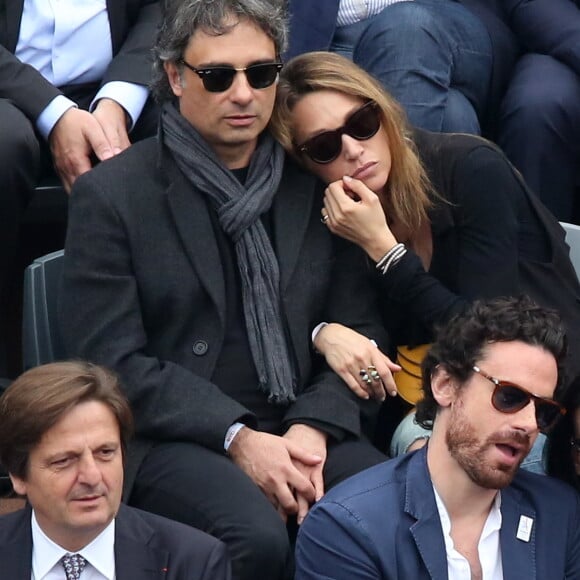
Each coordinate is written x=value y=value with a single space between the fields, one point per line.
x=443 y=218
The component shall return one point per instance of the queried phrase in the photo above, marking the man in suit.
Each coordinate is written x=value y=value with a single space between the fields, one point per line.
x=540 y=115
x=460 y=507
x=197 y=267
x=446 y=61
x=63 y=435
x=73 y=89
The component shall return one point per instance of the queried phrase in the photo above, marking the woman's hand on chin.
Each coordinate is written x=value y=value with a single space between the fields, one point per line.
x=356 y=214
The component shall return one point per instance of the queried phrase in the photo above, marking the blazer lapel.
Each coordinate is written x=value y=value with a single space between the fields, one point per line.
x=292 y=213
x=518 y=548
x=115 y=11
x=10 y=18
x=135 y=554
x=420 y=504
x=16 y=546
x=192 y=220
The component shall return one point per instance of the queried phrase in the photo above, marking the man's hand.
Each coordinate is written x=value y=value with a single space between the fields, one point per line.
x=113 y=120
x=270 y=461
x=76 y=135
x=314 y=441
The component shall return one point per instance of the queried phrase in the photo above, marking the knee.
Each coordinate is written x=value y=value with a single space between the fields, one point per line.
x=19 y=147
x=544 y=96
x=404 y=20
x=262 y=550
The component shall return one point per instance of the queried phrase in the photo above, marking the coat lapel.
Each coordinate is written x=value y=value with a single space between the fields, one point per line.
x=10 y=17
x=292 y=213
x=136 y=556
x=517 y=555
x=115 y=11
x=194 y=226
x=420 y=504
x=16 y=546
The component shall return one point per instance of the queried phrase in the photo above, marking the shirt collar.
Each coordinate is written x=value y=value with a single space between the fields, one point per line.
x=100 y=553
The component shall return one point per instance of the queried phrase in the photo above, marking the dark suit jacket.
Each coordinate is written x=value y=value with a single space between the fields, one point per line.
x=548 y=27
x=384 y=523
x=133 y=31
x=143 y=293
x=147 y=547
x=312 y=27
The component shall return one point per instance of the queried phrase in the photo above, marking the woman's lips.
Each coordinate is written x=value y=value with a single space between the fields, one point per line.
x=363 y=170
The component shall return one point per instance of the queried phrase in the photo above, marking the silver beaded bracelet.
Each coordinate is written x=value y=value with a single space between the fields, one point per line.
x=391 y=258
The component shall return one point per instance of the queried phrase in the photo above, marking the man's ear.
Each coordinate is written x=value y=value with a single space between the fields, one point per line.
x=443 y=386
x=174 y=77
x=18 y=484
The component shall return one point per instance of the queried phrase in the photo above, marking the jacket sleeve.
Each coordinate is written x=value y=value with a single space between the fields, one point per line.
x=481 y=245
x=549 y=27
x=24 y=85
x=101 y=320
x=333 y=543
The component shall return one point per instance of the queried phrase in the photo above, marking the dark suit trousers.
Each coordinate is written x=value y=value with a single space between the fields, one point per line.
x=205 y=489
x=539 y=129
x=24 y=160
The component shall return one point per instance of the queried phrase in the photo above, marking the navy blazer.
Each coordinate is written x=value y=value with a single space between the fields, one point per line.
x=133 y=26
x=384 y=523
x=147 y=547
x=548 y=27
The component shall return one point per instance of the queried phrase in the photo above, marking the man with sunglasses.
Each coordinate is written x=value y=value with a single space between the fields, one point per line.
x=460 y=508
x=196 y=266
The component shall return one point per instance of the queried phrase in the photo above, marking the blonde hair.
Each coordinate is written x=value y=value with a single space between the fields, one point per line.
x=407 y=194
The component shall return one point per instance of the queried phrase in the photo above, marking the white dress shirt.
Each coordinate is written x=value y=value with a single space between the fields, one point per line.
x=351 y=11
x=489 y=548
x=69 y=42
x=99 y=554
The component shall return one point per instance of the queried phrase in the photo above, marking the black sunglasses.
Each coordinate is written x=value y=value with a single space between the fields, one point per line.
x=510 y=398
x=361 y=125
x=217 y=79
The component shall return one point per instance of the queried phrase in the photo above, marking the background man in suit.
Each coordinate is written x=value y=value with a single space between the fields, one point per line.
x=196 y=266
x=58 y=61
x=460 y=508
x=63 y=434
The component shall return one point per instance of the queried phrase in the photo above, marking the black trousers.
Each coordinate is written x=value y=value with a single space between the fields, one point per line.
x=207 y=490
x=25 y=160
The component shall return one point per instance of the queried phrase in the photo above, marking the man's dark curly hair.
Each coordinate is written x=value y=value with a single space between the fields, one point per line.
x=460 y=343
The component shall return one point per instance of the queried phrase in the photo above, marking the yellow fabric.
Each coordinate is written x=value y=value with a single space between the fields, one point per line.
x=408 y=379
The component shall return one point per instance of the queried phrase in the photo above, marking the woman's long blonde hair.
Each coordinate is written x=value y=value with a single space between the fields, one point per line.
x=407 y=195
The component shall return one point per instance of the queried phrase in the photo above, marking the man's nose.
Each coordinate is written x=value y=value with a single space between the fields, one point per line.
x=241 y=91
x=89 y=471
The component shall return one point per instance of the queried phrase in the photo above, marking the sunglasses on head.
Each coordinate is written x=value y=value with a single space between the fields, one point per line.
x=217 y=79
x=361 y=125
x=510 y=398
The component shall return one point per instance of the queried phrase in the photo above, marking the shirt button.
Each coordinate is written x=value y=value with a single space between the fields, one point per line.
x=200 y=347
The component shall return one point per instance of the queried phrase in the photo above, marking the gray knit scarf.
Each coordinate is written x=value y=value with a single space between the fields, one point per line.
x=239 y=208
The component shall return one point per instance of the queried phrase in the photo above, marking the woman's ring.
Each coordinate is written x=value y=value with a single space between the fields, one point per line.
x=324 y=218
